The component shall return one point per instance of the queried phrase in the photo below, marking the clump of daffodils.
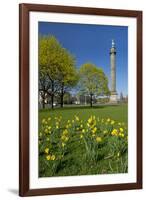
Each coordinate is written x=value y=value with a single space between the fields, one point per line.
x=93 y=129
x=50 y=157
x=91 y=123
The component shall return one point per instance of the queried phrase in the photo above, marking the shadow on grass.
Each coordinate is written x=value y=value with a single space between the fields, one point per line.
x=79 y=107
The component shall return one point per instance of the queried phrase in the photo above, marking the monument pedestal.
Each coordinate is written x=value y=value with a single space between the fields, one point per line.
x=114 y=98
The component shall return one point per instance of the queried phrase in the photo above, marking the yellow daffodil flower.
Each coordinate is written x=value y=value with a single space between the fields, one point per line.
x=94 y=130
x=43 y=121
x=105 y=131
x=47 y=150
x=112 y=122
x=53 y=157
x=77 y=118
x=83 y=130
x=98 y=139
x=63 y=144
x=81 y=136
x=48 y=157
x=49 y=118
x=121 y=129
x=108 y=120
x=46 y=131
x=114 y=132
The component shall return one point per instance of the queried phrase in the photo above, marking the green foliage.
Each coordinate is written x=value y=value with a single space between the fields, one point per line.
x=49 y=56
x=57 y=66
x=93 y=80
x=56 y=62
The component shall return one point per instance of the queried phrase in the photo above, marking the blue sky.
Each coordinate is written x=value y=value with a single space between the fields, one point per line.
x=92 y=43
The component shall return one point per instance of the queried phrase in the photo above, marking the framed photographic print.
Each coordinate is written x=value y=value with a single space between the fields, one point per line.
x=80 y=99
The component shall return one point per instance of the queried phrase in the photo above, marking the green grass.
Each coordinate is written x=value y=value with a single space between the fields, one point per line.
x=83 y=156
x=116 y=112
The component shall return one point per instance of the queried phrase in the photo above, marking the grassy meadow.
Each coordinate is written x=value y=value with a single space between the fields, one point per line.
x=81 y=140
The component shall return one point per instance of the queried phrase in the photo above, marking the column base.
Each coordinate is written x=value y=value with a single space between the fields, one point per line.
x=114 y=98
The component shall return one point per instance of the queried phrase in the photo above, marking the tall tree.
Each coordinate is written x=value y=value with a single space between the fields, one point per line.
x=58 y=66
x=93 y=81
x=49 y=60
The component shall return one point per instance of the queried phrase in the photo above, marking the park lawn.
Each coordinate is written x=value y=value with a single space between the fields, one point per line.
x=115 y=112
x=83 y=156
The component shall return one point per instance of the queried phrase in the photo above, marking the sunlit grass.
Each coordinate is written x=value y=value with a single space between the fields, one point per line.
x=83 y=140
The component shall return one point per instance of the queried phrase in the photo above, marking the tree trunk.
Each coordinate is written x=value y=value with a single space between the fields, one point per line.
x=43 y=98
x=52 y=101
x=61 y=96
x=91 y=100
x=52 y=95
x=43 y=103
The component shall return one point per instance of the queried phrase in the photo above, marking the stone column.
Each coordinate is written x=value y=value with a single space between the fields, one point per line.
x=114 y=96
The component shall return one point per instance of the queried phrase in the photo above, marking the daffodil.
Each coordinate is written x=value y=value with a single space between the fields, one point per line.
x=83 y=130
x=122 y=135
x=46 y=131
x=98 y=139
x=47 y=150
x=43 y=121
x=112 y=122
x=81 y=136
x=94 y=130
x=108 y=120
x=49 y=118
x=40 y=134
x=65 y=132
x=67 y=126
x=48 y=157
x=121 y=129
x=90 y=120
x=64 y=138
x=88 y=124
x=77 y=118
x=118 y=154
x=105 y=131
x=93 y=117
x=114 y=132
x=53 y=157
x=63 y=144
